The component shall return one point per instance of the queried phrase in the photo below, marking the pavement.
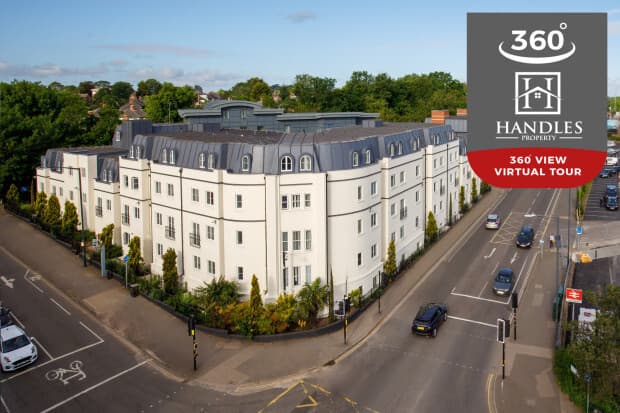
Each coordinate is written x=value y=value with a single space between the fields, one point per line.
x=243 y=366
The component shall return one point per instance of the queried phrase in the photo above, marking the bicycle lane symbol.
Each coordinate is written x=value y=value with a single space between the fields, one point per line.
x=66 y=375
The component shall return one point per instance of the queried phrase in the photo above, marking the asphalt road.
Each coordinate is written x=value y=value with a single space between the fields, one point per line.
x=395 y=371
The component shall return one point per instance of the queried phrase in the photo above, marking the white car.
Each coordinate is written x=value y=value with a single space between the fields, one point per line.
x=492 y=221
x=18 y=350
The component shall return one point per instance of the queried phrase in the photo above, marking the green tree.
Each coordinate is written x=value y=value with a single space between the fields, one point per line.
x=121 y=91
x=314 y=94
x=69 y=220
x=86 y=86
x=40 y=204
x=135 y=255
x=51 y=215
x=219 y=291
x=462 y=200
x=102 y=131
x=311 y=299
x=256 y=305
x=12 y=198
x=170 y=272
x=431 y=231
x=474 y=190
x=484 y=187
x=106 y=99
x=107 y=234
x=165 y=103
x=148 y=87
x=389 y=266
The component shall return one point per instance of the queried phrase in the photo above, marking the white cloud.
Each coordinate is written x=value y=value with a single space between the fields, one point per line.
x=158 y=48
x=613 y=27
x=301 y=16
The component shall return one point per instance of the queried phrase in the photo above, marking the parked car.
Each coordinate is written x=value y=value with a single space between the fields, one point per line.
x=429 y=318
x=611 y=190
x=605 y=173
x=493 y=221
x=17 y=349
x=5 y=317
x=525 y=237
x=611 y=203
x=503 y=282
x=615 y=168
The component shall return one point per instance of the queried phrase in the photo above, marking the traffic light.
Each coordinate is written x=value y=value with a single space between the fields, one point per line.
x=347 y=304
x=503 y=329
x=191 y=326
x=515 y=300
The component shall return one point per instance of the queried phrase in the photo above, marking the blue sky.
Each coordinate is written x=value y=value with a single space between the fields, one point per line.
x=216 y=44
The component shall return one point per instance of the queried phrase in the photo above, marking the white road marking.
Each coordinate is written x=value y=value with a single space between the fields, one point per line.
x=472 y=321
x=61 y=307
x=7 y=281
x=489 y=256
x=92 y=332
x=43 y=348
x=514 y=257
x=101 y=383
x=6 y=408
x=483 y=287
x=480 y=298
x=31 y=279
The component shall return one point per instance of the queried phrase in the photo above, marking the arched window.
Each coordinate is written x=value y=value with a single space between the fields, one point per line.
x=245 y=163
x=286 y=164
x=211 y=161
x=368 y=156
x=392 y=149
x=356 y=159
x=164 y=156
x=201 y=161
x=305 y=163
x=400 y=148
x=172 y=157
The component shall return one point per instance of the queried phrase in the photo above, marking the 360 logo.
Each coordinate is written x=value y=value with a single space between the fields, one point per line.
x=538 y=41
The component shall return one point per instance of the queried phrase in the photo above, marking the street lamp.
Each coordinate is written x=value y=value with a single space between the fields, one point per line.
x=81 y=210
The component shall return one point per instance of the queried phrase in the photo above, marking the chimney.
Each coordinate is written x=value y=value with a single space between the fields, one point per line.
x=439 y=116
x=461 y=112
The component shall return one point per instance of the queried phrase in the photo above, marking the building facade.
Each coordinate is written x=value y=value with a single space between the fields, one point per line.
x=287 y=207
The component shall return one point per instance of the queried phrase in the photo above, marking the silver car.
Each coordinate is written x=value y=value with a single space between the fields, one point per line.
x=493 y=221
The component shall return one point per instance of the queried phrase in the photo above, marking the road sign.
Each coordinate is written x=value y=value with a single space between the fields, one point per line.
x=574 y=295
x=579 y=230
x=94 y=242
x=126 y=258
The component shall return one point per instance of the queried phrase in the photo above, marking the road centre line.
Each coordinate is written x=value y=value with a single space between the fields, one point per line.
x=31 y=283
x=61 y=307
x=472 y=321
x=101 y=383
x=43 y=348
x=483 y=287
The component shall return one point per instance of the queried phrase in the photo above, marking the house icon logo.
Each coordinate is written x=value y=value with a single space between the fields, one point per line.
x=537 y=93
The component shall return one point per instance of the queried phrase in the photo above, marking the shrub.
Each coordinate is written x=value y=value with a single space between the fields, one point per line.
x=356 y=297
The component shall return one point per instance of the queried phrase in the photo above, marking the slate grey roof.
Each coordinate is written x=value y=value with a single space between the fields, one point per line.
x=328 y=150
x=107 y=157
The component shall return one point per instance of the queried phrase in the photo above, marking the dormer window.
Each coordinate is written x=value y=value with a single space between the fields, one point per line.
x=305 y=163
x=399 y=147
x=132 y=154
x=104 y=176
x=117 y=136
x=138 y=152
x=286 y=164
x=59 y=165
x=164 y=156
x=356 y=159
x=225 y=114
x=109 y=175
x=211 y=161
x=245 y=163
x=172 y=157
x=368 y=156
x=202 y=161
x=392 y=151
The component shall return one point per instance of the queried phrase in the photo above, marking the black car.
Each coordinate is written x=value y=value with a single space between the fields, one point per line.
x=503 y=282
x=611 y=203
x=611 y=190
x=428 y=319
x=605 y=173
x=525 y=237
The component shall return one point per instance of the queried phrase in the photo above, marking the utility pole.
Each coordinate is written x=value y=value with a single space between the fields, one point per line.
x=191 y=330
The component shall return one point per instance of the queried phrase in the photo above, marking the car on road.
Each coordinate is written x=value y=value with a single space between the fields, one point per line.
x=525 y=237
x=493 y=221
x=605 y=173
x=503 y=281
x=611 y=203
x=5 y=316
x=611 y=190
x=429 y=318
x=17 y=349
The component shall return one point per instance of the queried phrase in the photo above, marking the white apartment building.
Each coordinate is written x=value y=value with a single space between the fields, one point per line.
x=287 y=207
